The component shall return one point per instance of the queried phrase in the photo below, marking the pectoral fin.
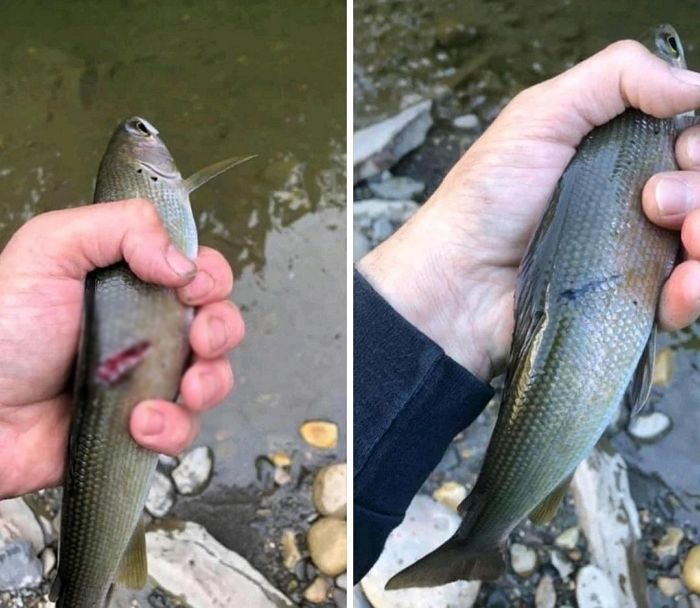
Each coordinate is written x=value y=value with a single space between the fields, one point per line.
x=544 y=512
x=639 y=389
x=133 y=569
x=204 y=175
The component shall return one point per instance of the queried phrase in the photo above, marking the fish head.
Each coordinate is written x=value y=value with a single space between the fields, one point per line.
x=664 y=42
x=137 y=142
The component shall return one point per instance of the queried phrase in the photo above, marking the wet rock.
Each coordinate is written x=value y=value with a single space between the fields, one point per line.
x=378 y=219
x=317 y=592
x=380 y=146
x=342 y=581
x=188 y=562
x=397 y=188
x=19 y=566
x=290 y=551
x=320 y=434
x=451 y=33
x=669 y=586
x=193 y=473
x=498 y=599
x=668 y=544
x=609 y=519
x=523 y=560
x=161 y=495
x=427 y=524
x=330 y=490
x=166 y=462
x=663 y=367
x=327 y=540
x=48 y=561
x=450 y=494
x=691 y=570
x=18 y=522
x=649 y=427
x=594 y=589
x=568 y=539
x=545 y=596
x=562 y=565
x=360 y=245
x=468 y=122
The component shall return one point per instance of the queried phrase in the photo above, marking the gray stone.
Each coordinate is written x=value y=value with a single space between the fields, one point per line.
x=190 y=563
x=649 y=427
x=545 y=595
x=427 y=524
x=382 y=230
x=468 y=122
x=366 y=213
x=563 y=566
x=397 y=188
x=594 y=589
x=19 y=566
x=358 y=598
x=161 y=495
x=192 y=475
x=342 y=581
x=18 y=522
x=380 y=146
x=609 y=519
x=360 y=245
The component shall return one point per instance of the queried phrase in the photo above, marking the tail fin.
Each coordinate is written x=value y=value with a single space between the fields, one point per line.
x=457 y=558
x=451 y=562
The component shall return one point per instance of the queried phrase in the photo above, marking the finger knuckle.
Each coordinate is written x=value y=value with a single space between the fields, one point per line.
x=626 y=50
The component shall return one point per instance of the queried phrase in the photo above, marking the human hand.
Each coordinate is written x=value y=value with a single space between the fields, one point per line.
x=42 y=273
x=451 y=269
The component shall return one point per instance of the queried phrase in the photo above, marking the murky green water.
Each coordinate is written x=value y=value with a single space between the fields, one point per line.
x=218 y=78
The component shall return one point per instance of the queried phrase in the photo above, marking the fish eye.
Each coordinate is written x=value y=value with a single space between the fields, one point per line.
x=143 y=128
x=672 y=45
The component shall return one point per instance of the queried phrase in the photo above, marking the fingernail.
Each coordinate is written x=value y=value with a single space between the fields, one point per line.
x=686 y=76
x=217 y=333
x=201 y=285
x=152 y=421
x=693 y=149
x=208 y=387
x=673 y=197
x=179 y=263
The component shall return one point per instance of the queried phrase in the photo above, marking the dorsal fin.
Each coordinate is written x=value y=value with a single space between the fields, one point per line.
x=202 y=176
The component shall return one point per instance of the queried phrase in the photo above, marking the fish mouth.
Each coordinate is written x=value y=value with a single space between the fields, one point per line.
x=158 y=172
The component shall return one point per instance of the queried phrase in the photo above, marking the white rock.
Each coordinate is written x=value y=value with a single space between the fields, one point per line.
x=545 y=596
x=366 y=213
x=19 y=566
x=192 y=475
x=342 y=581
x=330 y=490
x=161 y=495
x=649 y=426
x=468 y=122
x=568 y=539
x=427 y=524
x=564 y=566
x=523 y=560
x=48 y=561
x=397 y=188
x=17 y=522
x=192 y=564
x=380 y=146
x=594 y=589
x=609 y=519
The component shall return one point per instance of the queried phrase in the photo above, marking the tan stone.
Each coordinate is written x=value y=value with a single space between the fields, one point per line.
x=450 y=494
x=669 y=586
x=280 y=459
x=691 y=570
x=317 y=592
x=320 y=434
x=328 y=545
x=669 y=542
x=330 y=490
x=290 y=550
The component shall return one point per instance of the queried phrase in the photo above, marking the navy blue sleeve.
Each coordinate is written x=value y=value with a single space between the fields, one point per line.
x=410 y=400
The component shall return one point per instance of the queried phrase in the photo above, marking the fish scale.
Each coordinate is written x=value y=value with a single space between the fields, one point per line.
x=586 y=300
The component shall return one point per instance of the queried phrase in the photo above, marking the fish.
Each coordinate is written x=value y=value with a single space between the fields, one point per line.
x=586 y=296
x=134 y=346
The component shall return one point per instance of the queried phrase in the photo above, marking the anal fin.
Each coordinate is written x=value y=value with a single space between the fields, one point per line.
x=640 y=387
x=133 y=569
x=544 y=512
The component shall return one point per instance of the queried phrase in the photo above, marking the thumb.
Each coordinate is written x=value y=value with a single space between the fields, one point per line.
x=625 y=74
x=71 y=242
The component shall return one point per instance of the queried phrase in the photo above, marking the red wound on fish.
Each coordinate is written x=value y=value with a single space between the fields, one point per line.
x=114 y=368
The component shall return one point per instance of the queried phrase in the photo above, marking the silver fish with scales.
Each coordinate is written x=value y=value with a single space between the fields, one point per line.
x=134 y=346
x=586 y=300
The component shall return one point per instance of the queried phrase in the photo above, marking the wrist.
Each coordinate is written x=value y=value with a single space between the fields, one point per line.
x=426 y=280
